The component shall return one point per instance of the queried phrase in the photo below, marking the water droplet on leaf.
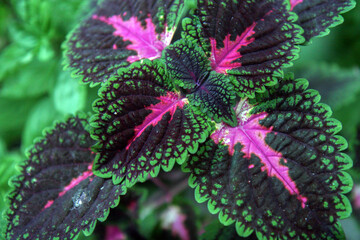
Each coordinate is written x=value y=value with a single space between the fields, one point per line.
x=80 y=197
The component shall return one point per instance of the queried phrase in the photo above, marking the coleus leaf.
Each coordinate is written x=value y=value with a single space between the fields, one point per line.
x=248 y=40
x=187 y=65
x=215 y=97
x=120 y=32
x=280 y=171
x=142 y=124
x=57 y=195
x=191 y=73
x=317 y=16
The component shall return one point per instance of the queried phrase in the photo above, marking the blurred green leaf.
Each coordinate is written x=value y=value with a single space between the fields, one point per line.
x=34 y=13
x=5 y=21
x=33 y=79
x=69 y=96
x=2 y=147
x=349 y=116
x=336 y=86
x=12 y=58
x=346 y=40
x=42 y=115
x=13 y=116
x=351 y=228
x=72 y=11
x=37 y=44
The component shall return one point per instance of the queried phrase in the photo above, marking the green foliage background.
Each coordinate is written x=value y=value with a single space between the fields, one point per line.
x=35 y=90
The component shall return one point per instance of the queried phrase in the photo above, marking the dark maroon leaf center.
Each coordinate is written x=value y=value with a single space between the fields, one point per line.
x=74 y=182
x=167 y=104
x=251 y=135
x=144 y=40
x=222 y=59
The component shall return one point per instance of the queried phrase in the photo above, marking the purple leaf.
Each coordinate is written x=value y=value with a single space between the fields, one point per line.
x=144 y=40
x=167 y=105
x=120 y=32
x=223 y=59
x=317 y=16
x=187 y=64
x=251 y=135
x=251 y=41
x=143 y=124
x=190 y=71
x=57 y=195
x=280 y=172
x=215 y=97
x=86 y=175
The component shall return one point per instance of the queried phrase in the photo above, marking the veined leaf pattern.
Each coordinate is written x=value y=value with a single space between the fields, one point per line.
x=280 y=172
x=248 y=40
x=210 y=92
x=272 y=164
x=317 y=16
x=120 y=32
x=57 y=195
x=143 y=125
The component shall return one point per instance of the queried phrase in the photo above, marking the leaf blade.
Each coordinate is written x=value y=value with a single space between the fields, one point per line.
x=215 y=97
x=235 y=179
x=57 y=194
x=317 y=17
x=114 y=35
x=187 y=65
x=261 y=33
x=143 y=125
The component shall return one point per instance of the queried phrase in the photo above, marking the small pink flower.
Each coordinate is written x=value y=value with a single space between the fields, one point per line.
x=114 y=233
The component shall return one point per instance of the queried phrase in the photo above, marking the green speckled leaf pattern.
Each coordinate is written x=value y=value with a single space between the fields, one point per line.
x=56 y=195
x=215 y=97
x=236 y=186
x=187 y=64
x=212 y=93
x=250 y=40
x=317 y=16
x=118 y=33
x=142 y=124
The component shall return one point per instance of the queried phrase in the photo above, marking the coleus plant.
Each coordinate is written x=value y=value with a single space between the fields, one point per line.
x=200 y=85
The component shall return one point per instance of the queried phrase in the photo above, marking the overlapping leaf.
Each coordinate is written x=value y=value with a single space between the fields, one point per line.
x=317 y=16
x=120 y=32
x=280 y=171
x=187 y=64
x=249 y=40
x=215 y=97
x=191 y=73
x=143 y=124
x=57 y=195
